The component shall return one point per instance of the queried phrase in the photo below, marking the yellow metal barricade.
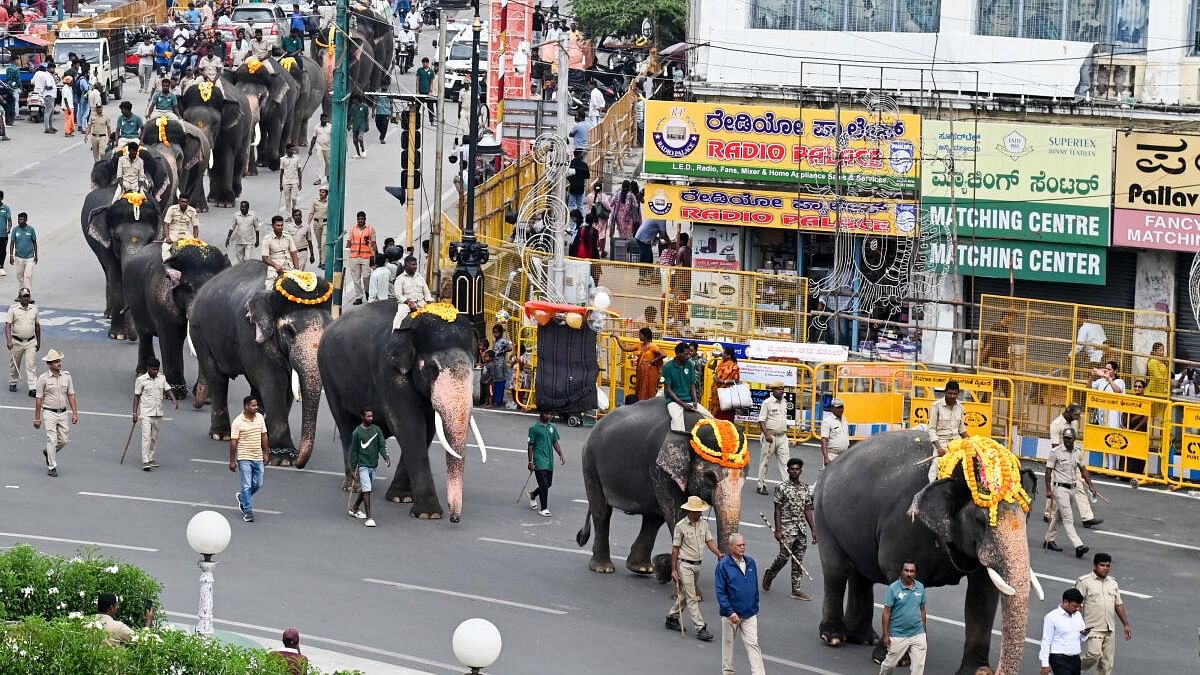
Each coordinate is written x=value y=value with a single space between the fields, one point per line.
x=523 y=379
x=874 y=394
x=799 y=382
x=1117 y=432
x=1181 y=457
x=985 y=400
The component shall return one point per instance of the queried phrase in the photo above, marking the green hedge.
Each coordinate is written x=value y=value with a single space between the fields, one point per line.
x=50 y=586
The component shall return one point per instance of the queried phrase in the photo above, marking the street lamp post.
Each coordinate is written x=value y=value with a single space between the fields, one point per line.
x=208 y=534
x=476 y=644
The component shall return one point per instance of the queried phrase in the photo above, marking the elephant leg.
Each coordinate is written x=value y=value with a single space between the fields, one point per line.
x=404 y=419
x=601 y=518
x=979 y=613
x=345 y=424
x=170 y=343
x=114 y=301
x=835 y=575
x=400 y=490
x=218 y=418
x=145 y=347
x=860 y=611
x=639 y=554
x=275 y=397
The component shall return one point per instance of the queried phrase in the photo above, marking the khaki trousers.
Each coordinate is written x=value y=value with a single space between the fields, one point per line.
x=58 y=432
x=676 y=412
x=25 y=272
x=23 y=354
x=780 y=450
x=97 y=143
x=914 y=646
x=241 y=252
x=319 y=231
x=150 y=425
x=688 y=575
x=359 y=270
x=749 y=630
x=1100 y=652
x=288 y=194
x=1063 y=514
x=1083 y=502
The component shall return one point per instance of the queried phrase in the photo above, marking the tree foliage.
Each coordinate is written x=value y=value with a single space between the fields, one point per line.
x=599 y=18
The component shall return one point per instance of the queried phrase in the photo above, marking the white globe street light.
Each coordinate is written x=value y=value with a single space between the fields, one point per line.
x=208 y=534
x=476 y=644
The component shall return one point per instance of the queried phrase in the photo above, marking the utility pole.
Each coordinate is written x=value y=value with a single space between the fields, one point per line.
x=433 y=272
x=469 y=254
x=411 y=142
x=564 y=133
x=335 y=228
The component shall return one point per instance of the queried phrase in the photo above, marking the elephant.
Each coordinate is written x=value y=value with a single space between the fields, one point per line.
x=223 y=113
x=633 y=462
x=373 y=50
x=115 y=231
x=313 y=87
x=160 y=294
x=188 y=148
x=419 y=382
x=272 y=94
x=160 y=168
x=238 y=328
x=876 y=508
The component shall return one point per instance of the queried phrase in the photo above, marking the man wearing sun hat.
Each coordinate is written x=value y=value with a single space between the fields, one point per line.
x=687 y=552
x=54 y=393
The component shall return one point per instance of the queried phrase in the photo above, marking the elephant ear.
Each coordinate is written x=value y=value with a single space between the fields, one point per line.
x=675 y=459
x=97 y=228
x=231 y=114
x=936 y=505
x=401 y=353
x=174 y=276
x=259 y=314
x=197 y=136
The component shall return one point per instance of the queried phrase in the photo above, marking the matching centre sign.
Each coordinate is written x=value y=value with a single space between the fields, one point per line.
x=1037 y=261
x=798 y=146
x=1156 y=198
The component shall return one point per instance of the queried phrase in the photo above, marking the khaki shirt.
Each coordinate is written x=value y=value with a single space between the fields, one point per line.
x=1056 y=429
x=289 y=170
x=54 y=390
x=1101 y=597
x=248 y=434
x=278 y=249
x=118 y=633
x=152 y=393
x=101 y=125
x=323 y=136
x=23 y=321
x=179 y=224
x=692 y=540
x=245 y=228
x=1062 y=464
x=130 y=173
x=319 y=211
x=834 y=429
x=945 y=422
x=773 y=414
x=302 y=234
x=412 y=288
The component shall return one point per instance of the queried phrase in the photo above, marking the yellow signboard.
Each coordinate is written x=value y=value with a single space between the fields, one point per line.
x=756 y=208
x=1109 y=436
x=1158 y=172
x=805 y=146
x=977 y=411
x=1189 y=444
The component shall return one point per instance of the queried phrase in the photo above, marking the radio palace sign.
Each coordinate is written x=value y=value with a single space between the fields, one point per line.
x=1157 y=192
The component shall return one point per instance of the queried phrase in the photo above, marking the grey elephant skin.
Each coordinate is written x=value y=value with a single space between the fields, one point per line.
x=405 y=377
x=160 y=295
x=271 y=93
x=188 y=149
x=115 y=234
x=313 y=88
x=238 y=328
x=372 y=53
x=862 y=508
x=160 y=171
x=226 y=118
x=633 y=462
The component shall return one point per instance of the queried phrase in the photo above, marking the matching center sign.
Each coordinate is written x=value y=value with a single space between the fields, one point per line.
x=1156 y=198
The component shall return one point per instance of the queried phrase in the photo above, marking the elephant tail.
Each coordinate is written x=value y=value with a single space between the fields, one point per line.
x=585 y=532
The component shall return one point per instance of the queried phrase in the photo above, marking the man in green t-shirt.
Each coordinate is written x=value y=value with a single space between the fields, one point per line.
x=367 y=445
x=359 y=114
x=425 y=80
x=543 y=443
x=679 y=388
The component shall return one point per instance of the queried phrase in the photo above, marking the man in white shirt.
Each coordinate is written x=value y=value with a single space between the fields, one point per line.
x=377 y=287
x=1107 y=381
x=408 y=43
x=596 y=104
x=1090 y=341
x=835 y=437
x=412 y=292
x=145 y=54
x=1063 y=633
x=241 y=48
x=46 y=85
x=321 y=141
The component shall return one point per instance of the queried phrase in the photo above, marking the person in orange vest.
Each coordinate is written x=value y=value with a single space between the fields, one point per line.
x=363 y=248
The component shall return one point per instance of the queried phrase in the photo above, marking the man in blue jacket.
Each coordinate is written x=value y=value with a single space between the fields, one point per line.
x=737 y=596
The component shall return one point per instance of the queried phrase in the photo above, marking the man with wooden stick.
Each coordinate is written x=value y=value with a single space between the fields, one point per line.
x=691 y=537
x=793 y=509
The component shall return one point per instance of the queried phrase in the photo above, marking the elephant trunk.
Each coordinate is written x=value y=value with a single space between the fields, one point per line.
x=1007 y=557
x=304 y=362
x=727 y=503
x=451 y=396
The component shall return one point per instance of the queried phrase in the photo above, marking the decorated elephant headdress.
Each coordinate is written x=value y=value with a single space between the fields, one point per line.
x=992 y=472
x=712 y=441
x=303 y=288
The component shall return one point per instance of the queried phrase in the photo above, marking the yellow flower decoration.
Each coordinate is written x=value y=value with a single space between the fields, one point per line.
x=442 y=310
x=253 y=64
x=162 y=129
x=188 y=241
x=301 y=279
x=992 y=471
x=206 y=89
x=135 y=199
x=732 y=453
x=288 y=63
x=307 y=281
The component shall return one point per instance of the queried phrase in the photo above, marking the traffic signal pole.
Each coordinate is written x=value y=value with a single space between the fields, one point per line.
x=335 y=227
x=412 y=119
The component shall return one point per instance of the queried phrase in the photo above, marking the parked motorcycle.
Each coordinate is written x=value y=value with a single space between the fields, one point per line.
x=37 y=112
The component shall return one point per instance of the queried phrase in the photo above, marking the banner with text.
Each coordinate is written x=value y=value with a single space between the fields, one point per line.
x=1033 y=182
x=1036 y=261
x=1157 y=192
x=783 y=145
x=756 y=208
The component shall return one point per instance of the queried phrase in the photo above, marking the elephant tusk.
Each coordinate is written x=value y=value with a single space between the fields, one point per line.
x=479 y=440
x=296 y=386
x=999 y=583
x=257 y=137
x=191 y=347
x=441 y=436
x=1037 y=585
x=210 y=159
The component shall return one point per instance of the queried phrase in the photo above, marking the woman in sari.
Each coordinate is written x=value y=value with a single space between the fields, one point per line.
x=649 y=365
x=727 y=375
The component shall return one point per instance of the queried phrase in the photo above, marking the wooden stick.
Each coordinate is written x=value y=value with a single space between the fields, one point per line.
x=128 y=441
x=680 y=601
x=791 y=555
x=523 y=489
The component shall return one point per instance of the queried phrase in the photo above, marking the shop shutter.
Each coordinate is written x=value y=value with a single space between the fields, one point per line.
x=1187 y=334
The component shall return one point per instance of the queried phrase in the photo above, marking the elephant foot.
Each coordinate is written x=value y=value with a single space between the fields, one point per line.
x=283 y=456
x=202 y=209
x=179 y=391
x=251 y=172
x=868 y=637
x=223 y=204
x=108 y=313
x=601 y=566
x=219 y=436
x=455 y=517
x=399 y=496
x=132 y=337
x=426 y=516
x=426 y=510
x=639 y=567
x=831 y=640
x=879 y=653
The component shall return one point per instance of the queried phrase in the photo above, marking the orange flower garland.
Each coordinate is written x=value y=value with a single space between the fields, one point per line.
x=997 y=467
x=732 y=452
x=306 y=281
x=162 y=129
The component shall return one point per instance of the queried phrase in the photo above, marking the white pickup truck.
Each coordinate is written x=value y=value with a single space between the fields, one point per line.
x=104 y=51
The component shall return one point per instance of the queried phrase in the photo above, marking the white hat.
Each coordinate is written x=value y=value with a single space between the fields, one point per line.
x=52 y=356
x=694 y=503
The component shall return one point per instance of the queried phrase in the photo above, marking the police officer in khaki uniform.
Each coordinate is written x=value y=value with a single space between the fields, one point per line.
x=687 y=553
x=772 y=422
x=23 y=333
x=1067 y=419
x=181 y=221
x=303 y=236
x=278 y=252
x=1060 y=482
x=99 y=130
x=1101 y=599
x=55 y=392
x=318 y=216
x=149 y=389
x=835 y=436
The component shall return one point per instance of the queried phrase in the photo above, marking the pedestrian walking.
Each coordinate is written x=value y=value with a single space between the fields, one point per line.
x=248 y=450
x=181 y=221
x=772 y=423
x=835 y=436
x=302 y=234
x=318 y=216
x=149 y=389
x=322 y=141
x=99 y=130
x=946 y=423
x=242 y=240
x=1069 y=418
x=383 y=116
x=278 y=252
x=6 y=223
x=361 y=242
x=543 y=445
x=54 y=393
x=793 y=525
x=904 y=622
x=737 y=597
x=145 y=54
x=358 y=126
x=1060 y=483
x=367 y=445
x=503 y=348
x=45 y=85
x=1063 y=632
x=688 y=542
x=578 y=175
x=291 y=175
x=23 y=333
x=426 y=77
x=1101 y=600
x=23 y=250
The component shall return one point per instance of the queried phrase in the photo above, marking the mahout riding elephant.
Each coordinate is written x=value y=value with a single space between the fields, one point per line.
x=190 y=150
x=634 y=463
x=876 y=508
x=238 y=328
x=272 y=94
x=115 y=231
x=372 y=50
x=412 y=378
x=160 y=168
x=160 y=294
x=313 y=88
x=223 y=112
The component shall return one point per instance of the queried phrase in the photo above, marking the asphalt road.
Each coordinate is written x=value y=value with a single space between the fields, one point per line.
x=396 y=592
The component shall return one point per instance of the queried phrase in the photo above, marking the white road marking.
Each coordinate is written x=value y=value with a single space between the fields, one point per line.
x=174 y=501
x=798 y=666
x=468 y=596
x=293 y=469
x=584 y=501
x=1160 y=542
x=13 y=487
x=70 y=147
x=25 y=168
x=504 y=412
x=496 y=447
x=1051 y=577
x=274 y=632
x=81 y=412
x=1153 y=490
x=81 y=542
x=544 y=547
x=956 y=622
